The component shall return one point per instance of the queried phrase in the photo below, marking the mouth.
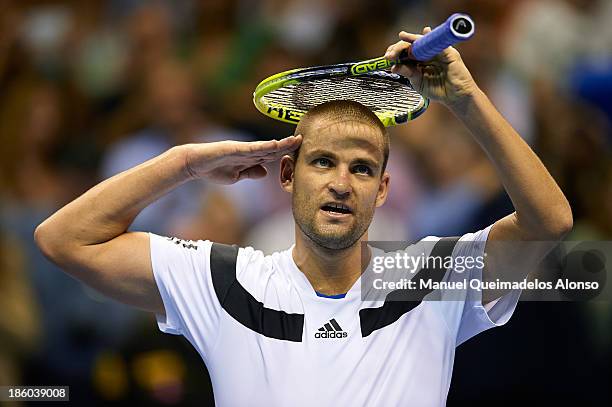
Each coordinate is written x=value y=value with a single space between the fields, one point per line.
x=336 y=209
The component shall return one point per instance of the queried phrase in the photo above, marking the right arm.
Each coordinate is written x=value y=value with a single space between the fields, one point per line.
x=88 y=238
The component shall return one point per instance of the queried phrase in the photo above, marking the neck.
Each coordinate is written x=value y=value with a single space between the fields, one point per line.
x=329 y=271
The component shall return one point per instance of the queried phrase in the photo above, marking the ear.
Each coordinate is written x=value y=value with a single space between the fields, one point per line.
x=287 y=172
x=383 y=189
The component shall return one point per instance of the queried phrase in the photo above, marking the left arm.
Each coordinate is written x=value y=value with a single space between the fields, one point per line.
x=542 y=212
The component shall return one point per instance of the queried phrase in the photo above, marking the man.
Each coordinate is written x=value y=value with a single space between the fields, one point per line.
x=291 y=328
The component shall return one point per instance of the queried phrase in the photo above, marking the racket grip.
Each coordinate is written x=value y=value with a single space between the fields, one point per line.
x=456 y=28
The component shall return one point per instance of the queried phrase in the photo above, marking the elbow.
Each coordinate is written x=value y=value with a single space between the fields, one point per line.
x=566 y=223
x=42 y=240
x=57 y=246
x=565 y=220
x=553 y=225
x=46 y=242
x=560 y=224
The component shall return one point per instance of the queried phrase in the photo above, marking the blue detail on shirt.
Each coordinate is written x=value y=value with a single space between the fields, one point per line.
x=335 y=296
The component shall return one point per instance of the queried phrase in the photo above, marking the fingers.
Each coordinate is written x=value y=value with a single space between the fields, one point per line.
x=282 y=146
x=406 y=39
x=411 y=37
x=394 y=50
x=253 y=154
x=406 y=68
x=289 y=143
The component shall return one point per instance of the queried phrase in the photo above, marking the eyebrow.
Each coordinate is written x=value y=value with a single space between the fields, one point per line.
x=367 y=161
x=321 y=152
x=330 y=154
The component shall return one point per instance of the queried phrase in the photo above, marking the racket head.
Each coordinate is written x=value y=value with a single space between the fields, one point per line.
x=288 y=95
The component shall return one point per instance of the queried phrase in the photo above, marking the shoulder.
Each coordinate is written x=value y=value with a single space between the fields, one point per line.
x=222 y=258
x=470 y=240
x=225 y=264
x=247 y=274
x=252 y=264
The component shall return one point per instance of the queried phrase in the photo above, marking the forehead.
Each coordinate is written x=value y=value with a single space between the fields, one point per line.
x=343 y=135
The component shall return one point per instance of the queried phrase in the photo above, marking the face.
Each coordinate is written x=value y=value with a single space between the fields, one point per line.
x=336 y=181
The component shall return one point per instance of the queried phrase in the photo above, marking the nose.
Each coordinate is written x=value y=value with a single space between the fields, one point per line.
x=340 y=184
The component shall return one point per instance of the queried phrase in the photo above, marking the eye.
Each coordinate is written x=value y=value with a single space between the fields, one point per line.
x=322 y=162
x=362 y=169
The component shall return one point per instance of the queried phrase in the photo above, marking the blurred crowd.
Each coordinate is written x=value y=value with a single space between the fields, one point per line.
x=91 y=88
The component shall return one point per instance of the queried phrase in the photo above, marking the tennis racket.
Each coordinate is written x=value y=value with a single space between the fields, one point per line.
x=288 y=95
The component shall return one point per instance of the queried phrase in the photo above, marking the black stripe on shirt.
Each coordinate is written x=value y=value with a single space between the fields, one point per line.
x=242 y=306
x=394 y=306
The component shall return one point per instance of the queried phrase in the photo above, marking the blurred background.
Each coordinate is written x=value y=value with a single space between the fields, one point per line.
x=90 y=88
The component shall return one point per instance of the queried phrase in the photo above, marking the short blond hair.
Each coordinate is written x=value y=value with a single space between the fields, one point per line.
x=344 y=109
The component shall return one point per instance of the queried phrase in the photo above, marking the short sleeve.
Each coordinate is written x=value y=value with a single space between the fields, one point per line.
x=463 y=309
x=181 y=269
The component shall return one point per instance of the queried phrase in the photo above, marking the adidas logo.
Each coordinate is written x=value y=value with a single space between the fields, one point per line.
x=331 y=330
x=187 y=244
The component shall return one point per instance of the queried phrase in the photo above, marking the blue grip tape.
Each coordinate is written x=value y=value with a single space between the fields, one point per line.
x=456 y=28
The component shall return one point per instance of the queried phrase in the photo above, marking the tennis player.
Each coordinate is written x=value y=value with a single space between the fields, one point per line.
x=291 y=328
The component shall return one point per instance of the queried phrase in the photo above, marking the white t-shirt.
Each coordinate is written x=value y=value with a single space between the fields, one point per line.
x=268 y=339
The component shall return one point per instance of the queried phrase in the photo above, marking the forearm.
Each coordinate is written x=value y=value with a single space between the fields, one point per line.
x=542 y=211
x=106 y=210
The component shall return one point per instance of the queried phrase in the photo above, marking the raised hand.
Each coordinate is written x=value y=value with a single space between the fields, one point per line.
x=445 y=78
x=227 y=162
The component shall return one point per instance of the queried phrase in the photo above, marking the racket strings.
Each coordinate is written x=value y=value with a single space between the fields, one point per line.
x=376 y=93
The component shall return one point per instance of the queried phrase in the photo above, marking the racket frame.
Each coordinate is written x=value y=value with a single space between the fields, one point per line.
x=423 y=49
x=372 y=67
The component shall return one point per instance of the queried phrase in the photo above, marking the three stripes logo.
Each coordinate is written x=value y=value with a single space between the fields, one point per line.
x=331 y=330
x=187 y=244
